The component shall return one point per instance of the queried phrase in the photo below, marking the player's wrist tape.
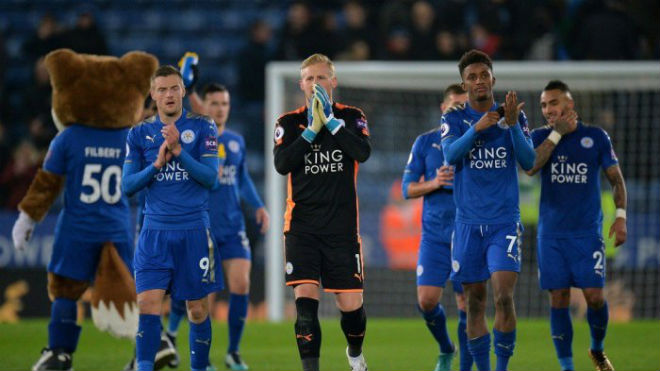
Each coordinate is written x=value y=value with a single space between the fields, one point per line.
x=554 y=137
x=309 y=135
x=334 y=125
x=621 y=213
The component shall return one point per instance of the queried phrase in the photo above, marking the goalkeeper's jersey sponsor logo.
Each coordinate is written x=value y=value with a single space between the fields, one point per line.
x=321 y=162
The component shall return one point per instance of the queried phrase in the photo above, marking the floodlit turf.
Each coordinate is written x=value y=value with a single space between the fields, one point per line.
x=391 y=344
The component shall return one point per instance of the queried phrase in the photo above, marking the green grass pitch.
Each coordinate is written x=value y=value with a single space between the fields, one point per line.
x=391 y=344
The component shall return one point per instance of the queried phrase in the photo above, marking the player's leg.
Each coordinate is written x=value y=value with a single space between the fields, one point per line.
x=303 y=267
x=590 y=277
x=561 y=327
x=597 y=317
x=504 y=326
x=238 y=280
x=433 y=269
x=149 y=327
x=342 y=272
x=153 y=264
x=504 y=255
x=200 y=333
x=307 y=326
x=465 y=357
x=236 y=262
x=197 y=273
x=477 y=328
x=555 y=275
x=469 y=266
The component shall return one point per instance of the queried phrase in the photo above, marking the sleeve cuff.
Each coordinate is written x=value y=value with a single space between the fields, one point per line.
x=309 y=135
x=335 y=124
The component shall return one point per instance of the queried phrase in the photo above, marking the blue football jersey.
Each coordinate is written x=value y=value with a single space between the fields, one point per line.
x=570 y=182
x=95 y=209
x=439 y=209
x=173 y=197
x=225 y=205
x=486 y=179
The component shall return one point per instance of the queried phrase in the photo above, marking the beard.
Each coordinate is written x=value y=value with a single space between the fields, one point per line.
x=484 y=97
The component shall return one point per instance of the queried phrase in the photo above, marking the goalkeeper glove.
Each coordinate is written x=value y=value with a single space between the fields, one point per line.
x=314 y=123
x=323 y=109
x=188 y=69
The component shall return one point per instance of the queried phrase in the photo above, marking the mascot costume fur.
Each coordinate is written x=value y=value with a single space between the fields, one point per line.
x=95 y=101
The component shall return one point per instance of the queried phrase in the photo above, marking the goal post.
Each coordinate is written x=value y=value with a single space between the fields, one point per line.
x=402 y=100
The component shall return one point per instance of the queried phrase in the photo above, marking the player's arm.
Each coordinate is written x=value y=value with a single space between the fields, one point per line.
x=522 y=146
x=443 y=177
x=135 y=178
x=190 y=74
x=515 y=119
x=249 y=193
x=290 y=148
x=455 y=145
x=544 y=149
x=195 y=100
x=205 y=170
x=614 y=176
x=356 y=146
x=411 y=186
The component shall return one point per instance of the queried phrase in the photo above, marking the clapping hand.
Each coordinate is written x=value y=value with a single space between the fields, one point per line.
x=512 y=108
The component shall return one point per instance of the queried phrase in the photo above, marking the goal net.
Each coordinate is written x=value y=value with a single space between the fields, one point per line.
x=402 y=100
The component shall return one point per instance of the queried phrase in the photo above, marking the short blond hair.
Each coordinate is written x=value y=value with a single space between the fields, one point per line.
x=316 y=59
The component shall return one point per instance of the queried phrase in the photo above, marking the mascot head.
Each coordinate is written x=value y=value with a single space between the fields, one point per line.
x=99 y=91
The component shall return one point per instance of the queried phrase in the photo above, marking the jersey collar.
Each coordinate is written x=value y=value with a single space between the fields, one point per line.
x=184 y=113
x=472 y=112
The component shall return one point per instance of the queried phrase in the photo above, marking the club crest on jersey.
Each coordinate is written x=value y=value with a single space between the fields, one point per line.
x=587 y=142
x=444 y=129
x=289 y=268
x=233 y=146
x=187 y=136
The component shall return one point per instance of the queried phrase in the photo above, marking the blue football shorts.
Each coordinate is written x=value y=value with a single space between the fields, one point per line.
x=571 y=262
x=482 y=249
x=186 y=263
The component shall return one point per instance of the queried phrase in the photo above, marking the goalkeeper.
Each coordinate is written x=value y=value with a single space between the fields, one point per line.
x=319 y=147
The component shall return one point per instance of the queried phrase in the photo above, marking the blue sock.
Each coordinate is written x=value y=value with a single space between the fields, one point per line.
x=466 y=357
x=177 y=312
x=200 y=344
x=238 y=307
x=597 y=319
x=504 y=343
x=147 y=341
x=437 y=324
x=63 y=332
x=480 y=350
x=561 y=330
